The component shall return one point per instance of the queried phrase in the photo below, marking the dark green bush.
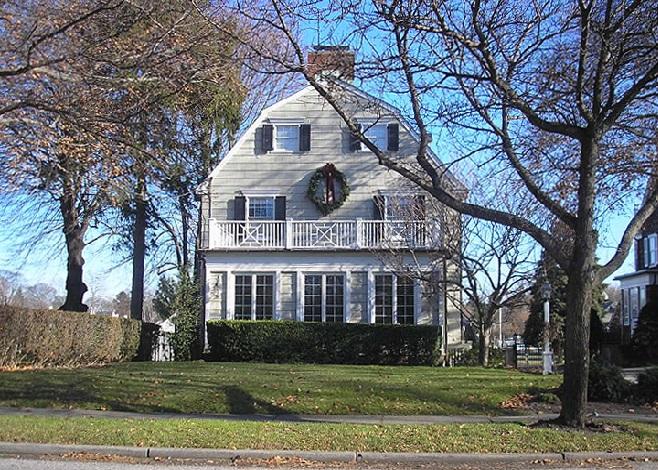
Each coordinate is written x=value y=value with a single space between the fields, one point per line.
x=55 y=338
x=147 y=341
x=646 y=389
x=606 y=383
x=333 y=343
x=645 y=338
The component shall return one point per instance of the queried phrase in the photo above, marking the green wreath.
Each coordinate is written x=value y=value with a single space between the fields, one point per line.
x=327 y=173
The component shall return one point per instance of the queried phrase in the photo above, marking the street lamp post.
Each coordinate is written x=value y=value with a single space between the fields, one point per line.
x=548 y=354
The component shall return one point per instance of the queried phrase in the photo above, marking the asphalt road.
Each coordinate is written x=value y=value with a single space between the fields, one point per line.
x=11 y=463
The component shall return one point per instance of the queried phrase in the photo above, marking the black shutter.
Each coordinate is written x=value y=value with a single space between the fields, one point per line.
x=280 y=208
x=305 y=137
x=267 y=144
x=239 y=208
x=639 y=254
x=355 y=143
x=379 y=207
x=394 y=137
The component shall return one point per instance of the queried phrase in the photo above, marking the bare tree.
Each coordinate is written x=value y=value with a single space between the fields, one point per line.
x=556 y=99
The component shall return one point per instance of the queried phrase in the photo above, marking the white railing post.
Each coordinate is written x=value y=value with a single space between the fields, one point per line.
x=359 y=233
x=288 y=234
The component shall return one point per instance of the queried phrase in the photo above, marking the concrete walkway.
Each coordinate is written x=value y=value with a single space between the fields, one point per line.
x=353 y=419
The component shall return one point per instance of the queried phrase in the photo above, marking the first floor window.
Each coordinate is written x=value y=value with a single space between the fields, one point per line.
x=395 y=302
x=243 y=297
x=405 y=311
x=324 y=297
x=254 y=296
x=383 y=298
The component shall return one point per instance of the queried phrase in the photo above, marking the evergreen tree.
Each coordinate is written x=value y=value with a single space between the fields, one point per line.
x=533 y=335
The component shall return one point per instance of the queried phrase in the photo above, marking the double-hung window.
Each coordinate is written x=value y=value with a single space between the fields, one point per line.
x=395 y=299
x=254 y=296
x=324 y=296
x=287 y=137
x=377 y=134
x=261 y=208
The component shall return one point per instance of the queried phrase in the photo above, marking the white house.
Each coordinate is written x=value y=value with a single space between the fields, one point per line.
x=640 y=286
x=300 y=221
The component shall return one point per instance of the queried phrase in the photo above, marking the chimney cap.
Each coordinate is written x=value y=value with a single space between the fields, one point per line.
x=331 y=48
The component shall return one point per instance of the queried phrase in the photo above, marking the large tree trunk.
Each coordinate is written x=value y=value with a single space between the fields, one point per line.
x=483 y=342
x=579 y=291
x=139 y=251
x=74 y=234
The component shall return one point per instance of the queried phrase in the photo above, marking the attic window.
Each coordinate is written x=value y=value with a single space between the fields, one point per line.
x=384 y=136
x=286 y=136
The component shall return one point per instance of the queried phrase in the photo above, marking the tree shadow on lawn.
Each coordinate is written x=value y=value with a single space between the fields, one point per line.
x=78 y=391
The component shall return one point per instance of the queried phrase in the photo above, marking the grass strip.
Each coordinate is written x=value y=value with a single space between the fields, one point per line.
x=324 y=437
x=242 y=388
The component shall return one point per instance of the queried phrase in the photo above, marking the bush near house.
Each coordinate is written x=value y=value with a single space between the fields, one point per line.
x=332 y=343
x=56 y=338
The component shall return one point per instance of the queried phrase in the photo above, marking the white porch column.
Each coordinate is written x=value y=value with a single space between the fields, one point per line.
x=299 y=295
x=277 y=295
x=347 y=297
x=371 y=296
x=230 y=295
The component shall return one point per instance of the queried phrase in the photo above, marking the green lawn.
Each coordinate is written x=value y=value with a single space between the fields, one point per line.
x=327 y=437
x=241 y=388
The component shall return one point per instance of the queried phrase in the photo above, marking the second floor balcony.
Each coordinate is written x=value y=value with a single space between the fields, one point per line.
x=322 y=235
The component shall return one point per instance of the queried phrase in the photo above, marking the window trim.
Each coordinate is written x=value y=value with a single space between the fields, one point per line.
x=276 y=123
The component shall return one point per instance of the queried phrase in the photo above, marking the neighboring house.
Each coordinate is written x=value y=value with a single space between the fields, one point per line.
x=269 y=250
x=638 y=287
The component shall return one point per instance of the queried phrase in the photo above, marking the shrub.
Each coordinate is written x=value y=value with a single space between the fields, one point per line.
x=179 y=300
x=645 y=338
x=147 y=341
x=606 y=383
x=646 y=389
x=55 y=338
x=335 y=343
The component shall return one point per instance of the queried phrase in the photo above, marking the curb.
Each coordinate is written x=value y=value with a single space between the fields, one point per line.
x=20 y=448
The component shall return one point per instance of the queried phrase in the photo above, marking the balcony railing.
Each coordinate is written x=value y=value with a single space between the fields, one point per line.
x=321 y=235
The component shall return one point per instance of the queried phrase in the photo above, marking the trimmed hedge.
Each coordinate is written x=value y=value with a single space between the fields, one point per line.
x=330 y=343
x=56 y=338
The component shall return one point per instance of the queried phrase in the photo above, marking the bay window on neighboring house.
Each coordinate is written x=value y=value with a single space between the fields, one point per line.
x=324 y=297
x=395 y=299
x=254 y=297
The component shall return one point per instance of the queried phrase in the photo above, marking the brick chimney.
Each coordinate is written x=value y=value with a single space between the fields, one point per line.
x=334 y=60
